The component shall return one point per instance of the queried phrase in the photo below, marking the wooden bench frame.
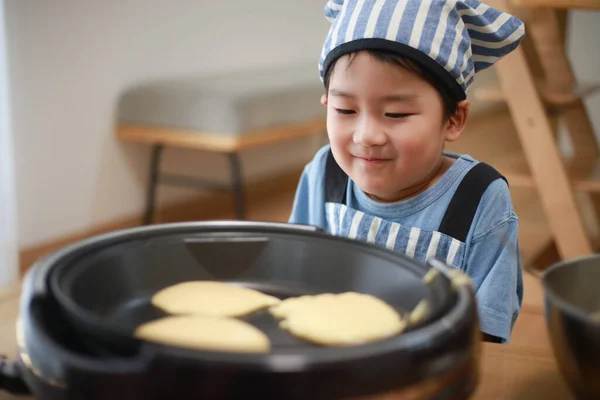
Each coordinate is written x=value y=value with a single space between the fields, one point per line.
x=229 y=144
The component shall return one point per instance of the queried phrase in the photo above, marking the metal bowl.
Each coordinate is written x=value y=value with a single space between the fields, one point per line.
x=572 y=305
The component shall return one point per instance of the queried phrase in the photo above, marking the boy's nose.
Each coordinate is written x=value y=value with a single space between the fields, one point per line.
x=368 y=133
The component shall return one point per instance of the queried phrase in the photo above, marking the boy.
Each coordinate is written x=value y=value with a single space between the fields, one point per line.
x=396 y=74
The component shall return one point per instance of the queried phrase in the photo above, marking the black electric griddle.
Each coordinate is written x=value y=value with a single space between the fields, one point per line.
x=81 y=305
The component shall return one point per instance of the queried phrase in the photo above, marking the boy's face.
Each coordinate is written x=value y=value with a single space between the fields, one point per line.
x=386 y=126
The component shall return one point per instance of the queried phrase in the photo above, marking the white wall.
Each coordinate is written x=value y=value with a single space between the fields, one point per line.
x=69 y=60
x=584 y=52
x=8 y=221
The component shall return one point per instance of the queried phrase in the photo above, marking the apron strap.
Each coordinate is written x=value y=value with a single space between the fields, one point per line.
x=336 y=181
x=461 y=210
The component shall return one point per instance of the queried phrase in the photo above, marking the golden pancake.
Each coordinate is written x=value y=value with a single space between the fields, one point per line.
x=212 y=299
x=339 y=319
x=205 y=333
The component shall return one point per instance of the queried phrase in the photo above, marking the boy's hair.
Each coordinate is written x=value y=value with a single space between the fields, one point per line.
x=449 y=101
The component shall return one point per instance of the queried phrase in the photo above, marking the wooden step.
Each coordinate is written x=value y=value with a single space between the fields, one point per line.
x=506 y=155
x=584 y=174
x=552 y=96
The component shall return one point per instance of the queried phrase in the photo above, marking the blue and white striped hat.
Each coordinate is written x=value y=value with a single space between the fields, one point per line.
x=454 y=39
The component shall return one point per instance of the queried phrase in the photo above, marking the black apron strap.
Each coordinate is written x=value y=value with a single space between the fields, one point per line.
x=461 y=210
x=336 y=181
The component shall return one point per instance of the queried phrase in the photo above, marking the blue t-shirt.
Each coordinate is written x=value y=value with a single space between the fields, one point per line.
x=490 y=254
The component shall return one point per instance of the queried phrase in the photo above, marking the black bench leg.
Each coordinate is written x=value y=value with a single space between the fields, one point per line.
x=237 y=184
x=152 y=183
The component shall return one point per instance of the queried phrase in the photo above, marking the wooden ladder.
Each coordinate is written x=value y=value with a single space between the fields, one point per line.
x=568 y=187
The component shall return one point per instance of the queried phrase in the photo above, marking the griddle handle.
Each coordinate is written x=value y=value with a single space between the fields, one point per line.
x=10 y=377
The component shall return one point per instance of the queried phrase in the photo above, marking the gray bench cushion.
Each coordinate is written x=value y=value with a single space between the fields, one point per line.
x=233 y=103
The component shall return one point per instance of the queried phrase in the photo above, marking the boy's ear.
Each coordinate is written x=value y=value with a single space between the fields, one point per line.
x=324 y=99
x=456 y=123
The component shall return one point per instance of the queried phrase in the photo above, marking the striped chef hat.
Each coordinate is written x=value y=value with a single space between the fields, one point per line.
x=454 y=39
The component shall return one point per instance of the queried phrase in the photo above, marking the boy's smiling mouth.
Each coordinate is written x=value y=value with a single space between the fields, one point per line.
x=372 y=160
x=369 y=156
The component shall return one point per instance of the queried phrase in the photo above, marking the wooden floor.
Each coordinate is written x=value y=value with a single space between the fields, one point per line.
x=529 y=332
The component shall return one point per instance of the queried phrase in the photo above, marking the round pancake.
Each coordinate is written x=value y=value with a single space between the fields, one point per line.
x=339 y=319
x=212 y=299
x=205 y=333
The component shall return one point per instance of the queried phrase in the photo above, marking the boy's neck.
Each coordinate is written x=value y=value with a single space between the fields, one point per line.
x=443 y=166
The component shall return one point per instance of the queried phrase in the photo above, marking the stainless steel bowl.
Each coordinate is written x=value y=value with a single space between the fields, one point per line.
x=572 y=304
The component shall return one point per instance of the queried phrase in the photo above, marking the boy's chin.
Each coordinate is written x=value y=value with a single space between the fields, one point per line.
x=377 y=192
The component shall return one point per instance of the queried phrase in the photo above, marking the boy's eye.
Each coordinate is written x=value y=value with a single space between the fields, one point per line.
x=397 y=115
x=345 y=112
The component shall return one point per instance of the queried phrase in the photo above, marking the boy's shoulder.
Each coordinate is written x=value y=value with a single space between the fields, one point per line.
x=500 y=185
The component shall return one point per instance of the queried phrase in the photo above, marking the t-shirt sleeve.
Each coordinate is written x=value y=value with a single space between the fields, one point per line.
x=309 y=201
x=494 y=263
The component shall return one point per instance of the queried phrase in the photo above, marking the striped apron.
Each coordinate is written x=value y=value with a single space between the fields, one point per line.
x=447 y=243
